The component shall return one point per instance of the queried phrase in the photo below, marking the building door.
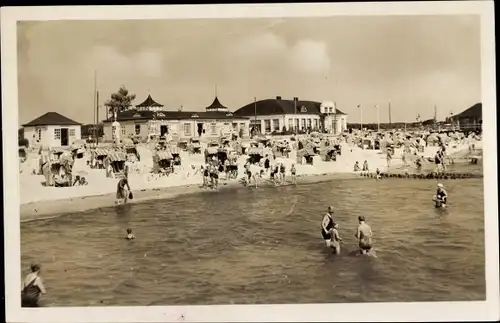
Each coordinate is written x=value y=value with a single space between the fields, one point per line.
x=163 y=130
x=200 y=129
x=64 y=137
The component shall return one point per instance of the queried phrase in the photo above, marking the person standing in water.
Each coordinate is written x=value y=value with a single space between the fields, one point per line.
x=335 y=242
x=122 y=193
x=293 y=170
x=32 y=287
x=441 y=196
x=364 y=235
x=327 y=225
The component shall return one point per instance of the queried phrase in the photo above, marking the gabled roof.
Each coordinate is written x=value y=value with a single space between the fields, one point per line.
x=216 y=105
x=280 y=107
x=475 y=111
x=52 y=119
x=149 y=102
x=171 y=115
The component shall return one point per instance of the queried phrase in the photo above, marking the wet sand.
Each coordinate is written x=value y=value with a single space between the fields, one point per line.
x=40 y=210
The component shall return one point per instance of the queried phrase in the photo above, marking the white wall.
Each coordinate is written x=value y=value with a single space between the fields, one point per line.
x=177 y=128
x=340 y=120
x=47 y=137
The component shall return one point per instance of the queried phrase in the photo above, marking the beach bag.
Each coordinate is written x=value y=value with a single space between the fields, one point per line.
x=130 y=196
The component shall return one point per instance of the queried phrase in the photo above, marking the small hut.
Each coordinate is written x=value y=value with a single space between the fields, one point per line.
x=330 y=154
x=116 y=160
x=183 y=145
x=210 y=153
x=163 y=162
x=305 y=156
x=255 y=154
x=99 y=155
x=194 y=146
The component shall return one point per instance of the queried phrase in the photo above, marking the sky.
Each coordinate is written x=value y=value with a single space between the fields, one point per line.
x=413 y=62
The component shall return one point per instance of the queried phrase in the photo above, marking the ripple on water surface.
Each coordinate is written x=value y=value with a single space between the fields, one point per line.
x=264 y=246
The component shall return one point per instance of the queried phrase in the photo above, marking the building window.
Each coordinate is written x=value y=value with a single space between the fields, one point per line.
x=226 y=123
x=213 y=128
x=315 y=123
x=242 y=125
x=303 y=124
x=303 y=109
x=57 y=134
x=39 y=132
x=267 y=126
x=187 y=129
x=290 y=124
x=276 y=124
x=124 y=131
x=330 y=109
x=309 y=123
x=72 y=133
x=137 y=129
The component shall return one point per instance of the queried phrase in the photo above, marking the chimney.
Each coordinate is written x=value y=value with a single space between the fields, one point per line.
x=296 y=98
x=278 y=98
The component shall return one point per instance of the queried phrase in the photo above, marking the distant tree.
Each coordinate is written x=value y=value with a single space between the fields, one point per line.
x=119 y=101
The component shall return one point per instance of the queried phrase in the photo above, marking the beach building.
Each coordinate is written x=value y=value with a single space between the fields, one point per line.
x=52 y=129
x=470 y=119
x=278 y=115
x=150 y=118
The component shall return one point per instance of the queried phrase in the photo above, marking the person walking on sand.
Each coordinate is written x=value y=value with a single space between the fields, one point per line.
x=32 y=287
x=327 y=225
x=122 y=191
x=364 y=235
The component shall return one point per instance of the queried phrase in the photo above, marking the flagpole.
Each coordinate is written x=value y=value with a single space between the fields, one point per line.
x=255 y=111
x=361 y=117
x=95 y=103
x=378 y=118
x=390 y=115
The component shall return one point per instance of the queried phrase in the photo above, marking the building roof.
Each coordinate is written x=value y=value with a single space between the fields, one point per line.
x=52 y=119
x=475 y=111
x=149 y=102
x=216 y=105
x=171 y=115
x=279 y=106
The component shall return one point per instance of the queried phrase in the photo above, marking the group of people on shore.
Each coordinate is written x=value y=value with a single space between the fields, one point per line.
x=256 y=173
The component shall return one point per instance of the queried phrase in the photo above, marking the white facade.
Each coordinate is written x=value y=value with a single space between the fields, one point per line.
x=179 y=129
x=333 y=122
x=275 y=123
x=52 y=136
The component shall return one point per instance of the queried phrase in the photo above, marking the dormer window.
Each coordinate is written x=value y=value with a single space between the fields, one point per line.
x=160 y=114
x=303 y=109
x=229 y=114
x=195 y=115
x=137 y=115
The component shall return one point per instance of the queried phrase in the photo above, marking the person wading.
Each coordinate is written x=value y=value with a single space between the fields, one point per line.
x=326 y=226
x=364 y=235
x=32 y=287
x=123 y=191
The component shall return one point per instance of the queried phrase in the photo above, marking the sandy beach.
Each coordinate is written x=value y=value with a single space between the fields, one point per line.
x=39 y=202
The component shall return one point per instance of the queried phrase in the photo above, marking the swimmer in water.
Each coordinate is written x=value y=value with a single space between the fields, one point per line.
x=130 y=235
x=335 y=241
x=441 y=196
x=327 y=225
x=364 y=235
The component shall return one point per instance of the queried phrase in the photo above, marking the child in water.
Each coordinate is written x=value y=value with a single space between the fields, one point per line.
x=130 y=236
x=335 y=242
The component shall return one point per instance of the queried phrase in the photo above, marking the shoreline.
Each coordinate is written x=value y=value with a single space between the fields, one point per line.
x=48 y=209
